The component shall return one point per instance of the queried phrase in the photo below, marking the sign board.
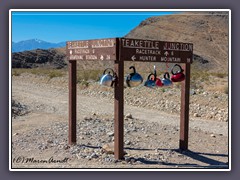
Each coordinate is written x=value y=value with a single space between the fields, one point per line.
x=100 y=49
x=155 y=51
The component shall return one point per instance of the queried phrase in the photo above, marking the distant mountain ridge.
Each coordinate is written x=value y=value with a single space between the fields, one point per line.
x=32 y=44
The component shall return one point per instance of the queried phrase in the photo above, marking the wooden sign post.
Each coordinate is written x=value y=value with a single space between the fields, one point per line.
x=184 y=113
x=72 y=125
x=126 y=49
x=118 y=107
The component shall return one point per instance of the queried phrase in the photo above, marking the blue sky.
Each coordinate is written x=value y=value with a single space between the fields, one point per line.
x=64 y=26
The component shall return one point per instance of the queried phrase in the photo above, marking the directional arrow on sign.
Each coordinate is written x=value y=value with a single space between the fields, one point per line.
x=133 y=57
x=166 y=53
x=101 y=57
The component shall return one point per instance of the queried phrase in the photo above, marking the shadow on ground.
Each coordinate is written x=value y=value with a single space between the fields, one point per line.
x=198 y=156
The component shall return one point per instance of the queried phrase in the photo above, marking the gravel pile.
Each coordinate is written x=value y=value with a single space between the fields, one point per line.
x=209 y=105
x=18 y=109
x=144 y=143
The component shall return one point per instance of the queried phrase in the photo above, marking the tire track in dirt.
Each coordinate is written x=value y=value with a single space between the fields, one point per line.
x=46 y=98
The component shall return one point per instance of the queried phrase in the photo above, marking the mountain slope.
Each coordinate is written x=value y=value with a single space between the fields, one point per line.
x=208 y=32
x=53 y=58
x=34 y=44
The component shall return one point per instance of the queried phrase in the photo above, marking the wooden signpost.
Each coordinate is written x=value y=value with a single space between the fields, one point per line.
x=126 y=49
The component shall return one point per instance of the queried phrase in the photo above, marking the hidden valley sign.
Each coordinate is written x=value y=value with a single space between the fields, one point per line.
x=130 y=50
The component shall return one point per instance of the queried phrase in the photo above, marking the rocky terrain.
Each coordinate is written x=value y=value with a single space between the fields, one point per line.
x=18 y=109
x=51 y=58
x=209 y=105
x=151 y=127
x=208 y=31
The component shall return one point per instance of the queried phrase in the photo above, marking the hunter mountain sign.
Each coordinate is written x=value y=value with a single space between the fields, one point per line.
x=130 y=50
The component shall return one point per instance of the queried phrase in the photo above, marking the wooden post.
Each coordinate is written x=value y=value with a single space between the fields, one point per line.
x=72 y=103
x=184 y=116
x=118 y=106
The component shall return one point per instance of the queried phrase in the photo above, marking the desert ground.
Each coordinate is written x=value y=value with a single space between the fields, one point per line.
x=151 y=126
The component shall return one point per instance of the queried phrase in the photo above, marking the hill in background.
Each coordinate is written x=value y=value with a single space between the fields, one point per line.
x=208 y=31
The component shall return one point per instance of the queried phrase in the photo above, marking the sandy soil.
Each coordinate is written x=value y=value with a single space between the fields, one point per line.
x=151 y=136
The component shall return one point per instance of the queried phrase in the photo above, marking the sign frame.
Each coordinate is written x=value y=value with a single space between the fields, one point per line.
x=119 y=57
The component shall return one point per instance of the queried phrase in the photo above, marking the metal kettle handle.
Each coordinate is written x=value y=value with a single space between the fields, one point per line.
x=151 y=75
x=104 y=72
x=155 y=71
x=176 y=65
x=134 y=69
x=166 y=75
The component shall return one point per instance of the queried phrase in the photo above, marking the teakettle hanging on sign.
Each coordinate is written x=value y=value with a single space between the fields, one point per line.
x=166 y=79
x=158 y=81
x=177 y=76
x=150 y=81
x=134 y=79
x=108 y=79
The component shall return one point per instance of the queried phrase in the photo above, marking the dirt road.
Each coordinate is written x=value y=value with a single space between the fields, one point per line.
x=48 y=105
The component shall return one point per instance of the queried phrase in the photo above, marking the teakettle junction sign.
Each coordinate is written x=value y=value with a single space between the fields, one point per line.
x=119 y=50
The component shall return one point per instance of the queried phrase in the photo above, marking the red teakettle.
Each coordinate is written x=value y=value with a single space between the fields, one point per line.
x=158 y=81
x=177 y=76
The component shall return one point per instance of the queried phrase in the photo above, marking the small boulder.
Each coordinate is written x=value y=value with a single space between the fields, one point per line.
x=129 y=116
x=108 y=148
x=110 y=134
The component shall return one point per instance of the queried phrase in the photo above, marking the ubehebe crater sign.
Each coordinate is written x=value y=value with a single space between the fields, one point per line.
x=130 y=50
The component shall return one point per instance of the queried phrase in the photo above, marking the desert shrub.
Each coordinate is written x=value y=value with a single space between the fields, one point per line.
x=15 y=72
x=88 y=75
x=219 y=74
x=55 y=73
x=51 y=73
x=163 y=90
x=226 y=89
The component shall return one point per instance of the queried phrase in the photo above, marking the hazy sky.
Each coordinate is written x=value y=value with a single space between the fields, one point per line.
x=65 y=26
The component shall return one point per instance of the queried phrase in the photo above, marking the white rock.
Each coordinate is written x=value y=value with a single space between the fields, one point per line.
x=128 y=142
x=212 y=135
x=196 y=115
x=110 y=134
x=129 y=116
